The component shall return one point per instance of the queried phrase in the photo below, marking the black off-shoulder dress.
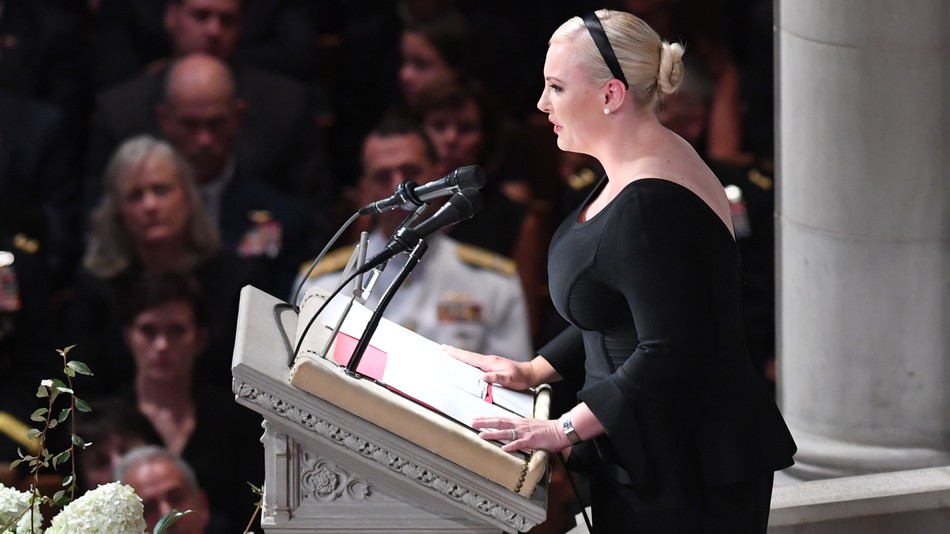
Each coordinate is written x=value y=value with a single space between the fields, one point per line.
x=651 y=287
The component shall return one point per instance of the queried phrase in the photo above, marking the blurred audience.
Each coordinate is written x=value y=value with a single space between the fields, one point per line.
x=131 y=36
x=151 y=219
x=278 y=139
x=201 y=114
x=408 y=42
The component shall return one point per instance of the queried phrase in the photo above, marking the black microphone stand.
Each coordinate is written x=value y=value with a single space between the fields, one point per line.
x=414 y=256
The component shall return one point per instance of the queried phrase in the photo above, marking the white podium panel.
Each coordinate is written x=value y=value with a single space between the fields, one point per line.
x=328 y=470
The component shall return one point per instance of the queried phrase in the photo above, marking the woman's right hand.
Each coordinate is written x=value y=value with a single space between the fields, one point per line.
x=508 y=373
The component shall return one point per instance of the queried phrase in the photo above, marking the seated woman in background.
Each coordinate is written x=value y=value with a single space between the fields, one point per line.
x=150 y=219
x=165 y=318
x=466 y=129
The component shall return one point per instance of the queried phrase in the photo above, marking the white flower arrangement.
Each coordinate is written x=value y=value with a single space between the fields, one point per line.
x=13 y=503
x=112 y=508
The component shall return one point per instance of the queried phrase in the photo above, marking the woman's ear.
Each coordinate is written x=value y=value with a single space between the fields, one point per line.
x=614 y=93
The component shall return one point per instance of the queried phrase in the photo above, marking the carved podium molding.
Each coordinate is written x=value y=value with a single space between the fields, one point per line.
x=330 y=471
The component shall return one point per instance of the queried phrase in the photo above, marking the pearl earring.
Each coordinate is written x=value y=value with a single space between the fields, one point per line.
x=606 y=111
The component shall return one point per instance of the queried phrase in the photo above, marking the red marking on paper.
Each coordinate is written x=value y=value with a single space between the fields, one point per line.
x=373 y=362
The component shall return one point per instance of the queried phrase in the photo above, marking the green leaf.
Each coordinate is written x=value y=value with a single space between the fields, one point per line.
x=33 y=433
x=65 y=352
x=69 y=372
x=15 y=463
x=81 y=405
x=63 y=414
x=42 y=392
x=53 y=423
x=168 y=520
x=61 y=458
x=68 y=481
x=79 y=442
x=58 y=384
x=79 y=367
x=38 y=414
x=8 y=522
x=60 y=498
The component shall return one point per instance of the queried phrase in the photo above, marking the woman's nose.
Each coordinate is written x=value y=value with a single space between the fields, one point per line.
x=542 y=101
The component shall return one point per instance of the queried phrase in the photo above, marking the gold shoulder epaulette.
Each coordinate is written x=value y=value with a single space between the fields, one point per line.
x=761 y=180
x=486 y=259
x=26 y=244
x=581 y=179
x=335 y=260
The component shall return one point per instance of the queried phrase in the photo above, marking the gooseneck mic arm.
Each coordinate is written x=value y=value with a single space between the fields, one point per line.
x=361 y=346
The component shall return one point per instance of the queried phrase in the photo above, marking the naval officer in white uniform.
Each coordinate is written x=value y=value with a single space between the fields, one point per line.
x=458 y=294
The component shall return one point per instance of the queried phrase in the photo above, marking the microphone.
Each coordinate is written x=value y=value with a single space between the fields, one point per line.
x=410 y=195
x=463 y=205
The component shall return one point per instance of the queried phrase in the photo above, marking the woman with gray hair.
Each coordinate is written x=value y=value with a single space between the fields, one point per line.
x=151 y=213
x=151 y=219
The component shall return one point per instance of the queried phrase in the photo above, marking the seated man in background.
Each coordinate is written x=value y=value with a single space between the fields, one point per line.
x=165 y=483
x=458 y=294
x=201 y=114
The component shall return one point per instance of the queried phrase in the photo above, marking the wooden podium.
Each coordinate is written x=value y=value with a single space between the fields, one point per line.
x=328 y=470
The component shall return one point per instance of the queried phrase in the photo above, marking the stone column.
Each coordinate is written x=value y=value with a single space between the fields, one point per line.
x=864 y=233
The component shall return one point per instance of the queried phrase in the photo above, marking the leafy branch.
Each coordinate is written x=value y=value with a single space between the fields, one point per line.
x=52 y=389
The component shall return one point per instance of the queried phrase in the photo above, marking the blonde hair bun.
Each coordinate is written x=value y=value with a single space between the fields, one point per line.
x=670 y=74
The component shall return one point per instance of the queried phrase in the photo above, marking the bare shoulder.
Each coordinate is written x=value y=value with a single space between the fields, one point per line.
x=678 y=162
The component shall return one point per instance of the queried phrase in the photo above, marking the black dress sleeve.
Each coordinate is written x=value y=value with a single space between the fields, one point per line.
x=566 y=353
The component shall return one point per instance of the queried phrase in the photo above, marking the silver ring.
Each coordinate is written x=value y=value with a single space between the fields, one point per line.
x=514 y=434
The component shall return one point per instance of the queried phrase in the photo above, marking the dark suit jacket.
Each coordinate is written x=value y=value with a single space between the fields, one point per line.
x=225 y=453
x=258 y=220
x=278 y=139
x=42 y=57
x=26 y=353
x=38 y=189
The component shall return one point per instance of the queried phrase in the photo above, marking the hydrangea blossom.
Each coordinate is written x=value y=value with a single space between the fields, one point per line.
x=112 y=508
x=12 y=503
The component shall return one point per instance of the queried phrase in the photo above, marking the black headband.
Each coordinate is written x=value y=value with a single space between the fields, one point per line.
x=597 y=32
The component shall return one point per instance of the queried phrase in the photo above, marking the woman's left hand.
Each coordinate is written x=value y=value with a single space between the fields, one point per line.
x=523 y=434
